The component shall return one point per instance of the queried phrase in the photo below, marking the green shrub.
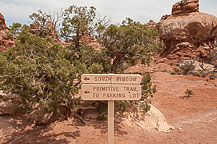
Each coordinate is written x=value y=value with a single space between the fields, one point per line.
x=165 y=70
x=212 y=77
x=171 y=64
x=176 y=70
x=195 y=74
x=204 y=75
x=187 y=67
x=173 y=73
x=101 y=117
x=215 y=67
x=38 y=72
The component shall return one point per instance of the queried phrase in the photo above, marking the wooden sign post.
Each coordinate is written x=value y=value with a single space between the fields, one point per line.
x=111 y=87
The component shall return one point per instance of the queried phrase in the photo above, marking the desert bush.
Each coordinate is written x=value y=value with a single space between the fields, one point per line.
x=176 y=71
x=171 y=64
x=127 y=43
x=203 y=73
x=195 y=74
x=173 y=73
x=15 y=29
x=36 y=70
x=9 y=35
x=165 y=70
x=187 y=67
x=212 y=77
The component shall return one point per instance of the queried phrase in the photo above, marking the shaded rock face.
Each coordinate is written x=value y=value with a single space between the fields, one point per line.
x=188 y=33
x=89 y=40
x=52 y=28
x=86 y=38
x=49 y=29
x=7 y=103
x=6 y=38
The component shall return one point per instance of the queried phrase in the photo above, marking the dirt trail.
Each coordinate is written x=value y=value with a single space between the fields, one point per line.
x=204 y=117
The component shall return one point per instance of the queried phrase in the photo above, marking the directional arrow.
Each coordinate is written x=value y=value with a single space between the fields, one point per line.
x=86 y=78
x=86 y=92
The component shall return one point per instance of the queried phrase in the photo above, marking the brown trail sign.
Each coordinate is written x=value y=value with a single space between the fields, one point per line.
x=111 y=78
x=111 y=87
x=110 y=92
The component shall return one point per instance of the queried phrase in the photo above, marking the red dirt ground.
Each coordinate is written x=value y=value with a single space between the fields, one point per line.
x=194 y=118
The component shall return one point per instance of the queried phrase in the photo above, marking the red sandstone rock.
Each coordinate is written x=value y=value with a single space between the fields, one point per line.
x=185 y=6
x=48 y=30
x=52 y=28
x=86 y=38
x=151 y=23
x=6 y=39
x=184 y=32
x=89 y=40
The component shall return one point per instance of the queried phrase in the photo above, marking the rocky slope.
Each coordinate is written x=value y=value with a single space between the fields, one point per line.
x=188 y=32
x=6 y=39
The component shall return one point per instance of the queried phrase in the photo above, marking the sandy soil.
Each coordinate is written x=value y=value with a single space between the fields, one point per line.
x=194 y=118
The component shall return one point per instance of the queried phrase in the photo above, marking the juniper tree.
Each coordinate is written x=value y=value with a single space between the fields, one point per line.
x=42 y=71
x=36 y=70
x=77 y=21
x=124 y=45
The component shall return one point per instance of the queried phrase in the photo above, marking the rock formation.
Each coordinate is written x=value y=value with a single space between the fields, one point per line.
x=188 y=32
x=52 y=29
x=89 y=40
x=6 y=38
x=185 y=6
x=151 y=23
x=153 y=119
x=49 y=29
x=7 y=103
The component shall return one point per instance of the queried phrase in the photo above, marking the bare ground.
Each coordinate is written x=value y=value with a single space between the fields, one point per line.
x=194 y=118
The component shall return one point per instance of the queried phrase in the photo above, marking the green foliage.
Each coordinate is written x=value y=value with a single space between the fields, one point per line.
x=165 y=70
x=204 y=75
x=215 y=60
x=125 y=44
x=171 y=64
x=147 y=91
x=212 y=77
x=15 y=29
x=215 y=67
x=40 y=21
x=122 y=106
x=176 y=71
x=101 y=117
x=77 y=21
x=195 y=74
x=36 y=70
x=173 y=73
x=44 y=24
x=9 y=35
x=42 y=72
x=187 y=67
